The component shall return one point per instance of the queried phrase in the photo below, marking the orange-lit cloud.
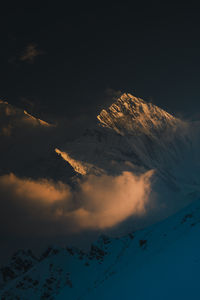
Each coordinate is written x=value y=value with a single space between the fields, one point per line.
x=98 y=202
x=109 y=200
x=41 y=192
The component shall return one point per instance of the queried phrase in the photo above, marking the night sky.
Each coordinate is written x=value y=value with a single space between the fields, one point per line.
x=67 y=61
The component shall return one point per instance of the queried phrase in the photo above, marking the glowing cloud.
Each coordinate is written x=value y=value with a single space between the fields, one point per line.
x=98 y=202
x=109 y=200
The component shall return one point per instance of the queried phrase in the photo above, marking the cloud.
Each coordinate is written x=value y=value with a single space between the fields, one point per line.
x=106 y=200
x=30 y=53
x=46 y=208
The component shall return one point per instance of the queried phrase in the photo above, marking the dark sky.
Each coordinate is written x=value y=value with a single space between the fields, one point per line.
x=62 y=59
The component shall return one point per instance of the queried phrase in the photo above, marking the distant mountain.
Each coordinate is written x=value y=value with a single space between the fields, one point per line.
x=27 y=145
x=13 y=118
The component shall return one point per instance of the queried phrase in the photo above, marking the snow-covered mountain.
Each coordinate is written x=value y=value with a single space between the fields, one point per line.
x=162 y=261
x=136 y=136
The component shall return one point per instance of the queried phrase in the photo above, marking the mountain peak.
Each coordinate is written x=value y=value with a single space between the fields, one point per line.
x=126 y=97
x=129 y=113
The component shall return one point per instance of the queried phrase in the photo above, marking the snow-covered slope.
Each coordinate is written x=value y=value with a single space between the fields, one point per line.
x=167 y=265
x=162 y=261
